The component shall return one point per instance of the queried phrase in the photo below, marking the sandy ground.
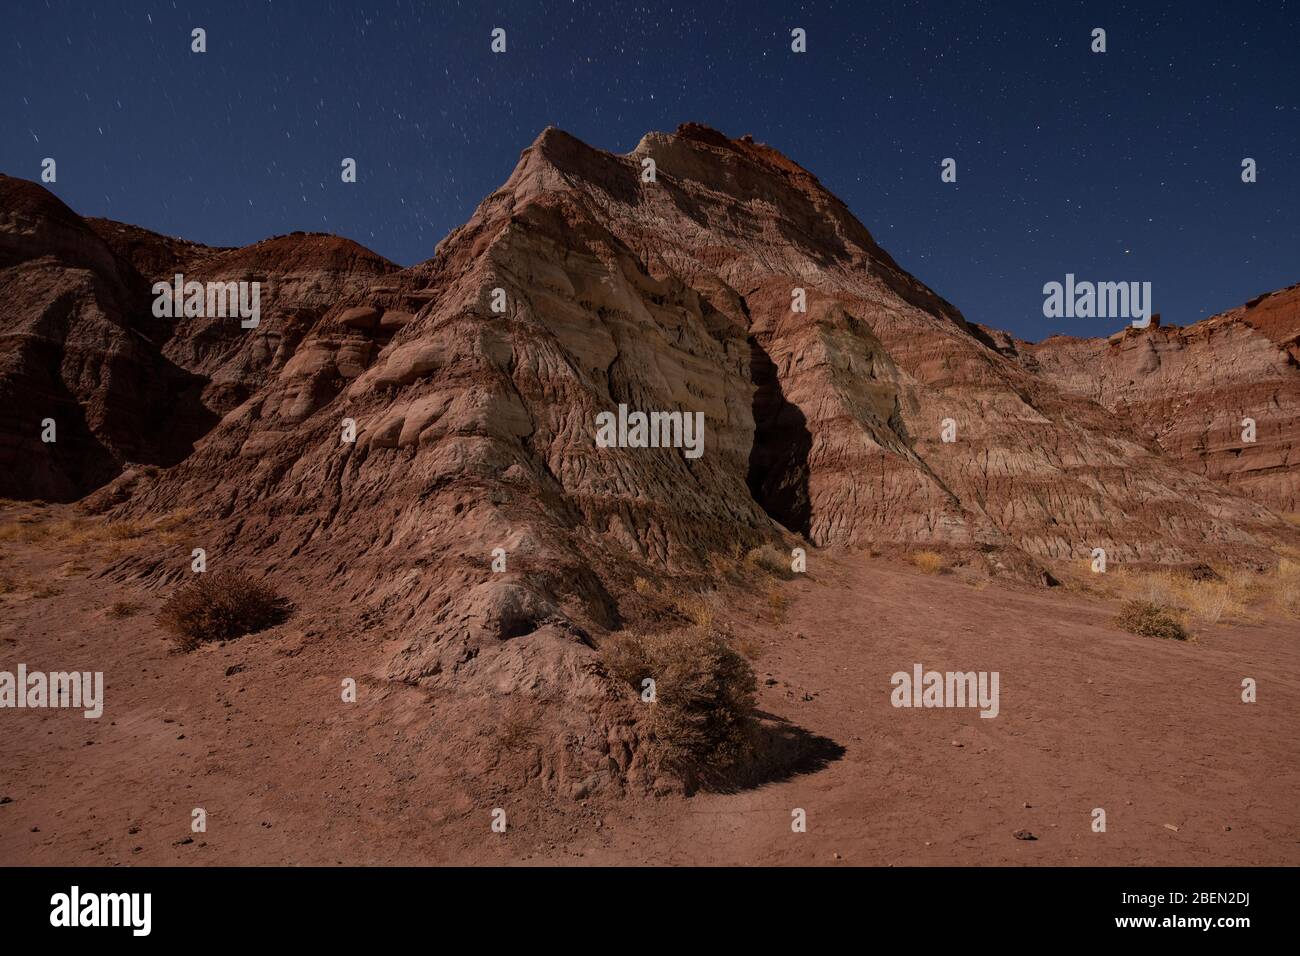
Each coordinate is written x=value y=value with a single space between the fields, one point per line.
x=1153 y=732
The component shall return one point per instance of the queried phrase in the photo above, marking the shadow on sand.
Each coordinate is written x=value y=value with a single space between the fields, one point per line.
x=781 y=752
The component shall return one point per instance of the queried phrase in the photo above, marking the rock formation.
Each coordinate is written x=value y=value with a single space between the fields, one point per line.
x=385 y=436
x=1191 y=391
x=81 y=345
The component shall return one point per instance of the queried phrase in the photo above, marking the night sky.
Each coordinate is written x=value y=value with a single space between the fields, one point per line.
x=1117 y=166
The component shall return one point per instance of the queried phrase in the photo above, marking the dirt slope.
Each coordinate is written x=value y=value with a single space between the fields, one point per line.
x=255 y=733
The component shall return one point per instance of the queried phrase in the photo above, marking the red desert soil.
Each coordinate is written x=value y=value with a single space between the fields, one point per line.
x=254 y=732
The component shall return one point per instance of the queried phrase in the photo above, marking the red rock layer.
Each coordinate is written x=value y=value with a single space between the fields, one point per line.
x=852 y=395
x=1189 y=392
x=81 y=346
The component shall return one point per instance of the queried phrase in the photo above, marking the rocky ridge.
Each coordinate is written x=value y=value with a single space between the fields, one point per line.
x=385 y=435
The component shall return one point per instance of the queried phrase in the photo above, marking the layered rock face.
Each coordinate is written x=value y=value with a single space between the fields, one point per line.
x=853 y=394
x=1221 y=397
x=422 y=446
x=843 y=399
x=80 y=357
x=399 y=453
x=83 y=349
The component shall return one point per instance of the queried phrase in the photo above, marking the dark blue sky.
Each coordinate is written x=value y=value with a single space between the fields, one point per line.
x=1117 y=166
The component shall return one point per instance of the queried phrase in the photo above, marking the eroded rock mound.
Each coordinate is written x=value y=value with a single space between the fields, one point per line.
x=84 y=386
x=852 y=396
x=82 y=348
x=420 y=446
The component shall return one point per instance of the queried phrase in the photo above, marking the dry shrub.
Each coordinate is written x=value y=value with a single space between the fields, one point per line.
x=642 y=586
x=624 y=657
x=120 y=609
x=218 y=606
x=1150 y=620
x=702 y=718
x=516 y=733
x=928 y=561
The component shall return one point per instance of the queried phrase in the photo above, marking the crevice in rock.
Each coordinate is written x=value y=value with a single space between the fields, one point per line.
x=778 y=460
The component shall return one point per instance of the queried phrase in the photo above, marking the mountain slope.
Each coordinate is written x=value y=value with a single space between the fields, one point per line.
x=81 y=345
x=418 y=448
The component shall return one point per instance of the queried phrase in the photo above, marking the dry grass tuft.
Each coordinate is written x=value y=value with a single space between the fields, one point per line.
x=928 y=561
x=1285 y=586
x=696 y=609
x=85 y=532
x=769 y=559
x=120 y=609
x=1224 y=595
x=1207 y=601
x=21 y=532
x=776 y=601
